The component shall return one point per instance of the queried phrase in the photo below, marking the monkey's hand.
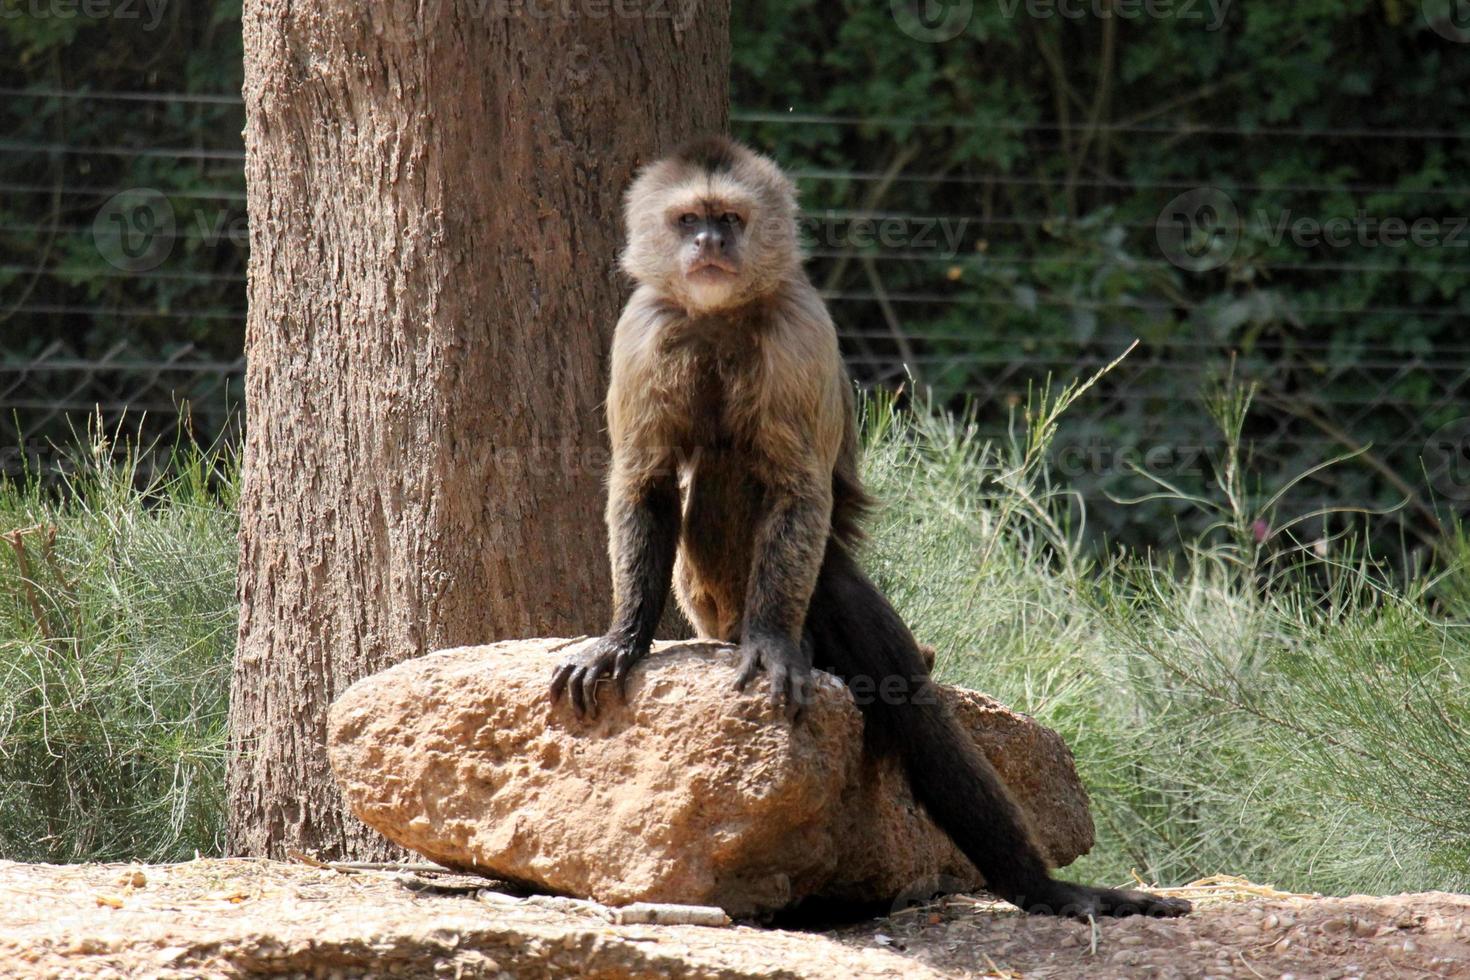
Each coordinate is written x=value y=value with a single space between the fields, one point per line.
x=787 y=664
x=611 y=657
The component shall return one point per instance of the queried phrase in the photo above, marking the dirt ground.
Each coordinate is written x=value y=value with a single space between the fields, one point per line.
x=228 y=918
x=1236 y=931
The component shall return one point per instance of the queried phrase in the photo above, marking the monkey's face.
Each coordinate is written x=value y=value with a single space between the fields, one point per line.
x=711 y=235
x=711 y=238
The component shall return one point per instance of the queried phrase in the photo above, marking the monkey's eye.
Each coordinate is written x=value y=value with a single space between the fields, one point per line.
x=730 y=218
x=689 y=219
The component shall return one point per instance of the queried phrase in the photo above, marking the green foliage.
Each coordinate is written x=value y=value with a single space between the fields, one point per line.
x=1249 y=708
x=53 y=198
x=1059 y=142
x=117 y=623
x=1051 y=144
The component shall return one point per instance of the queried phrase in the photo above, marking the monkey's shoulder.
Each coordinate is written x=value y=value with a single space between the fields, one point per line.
x=801 y=327
x=791 y=323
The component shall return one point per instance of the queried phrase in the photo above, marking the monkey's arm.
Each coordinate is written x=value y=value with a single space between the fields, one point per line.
x=642 y=516
x=790 y=541
x=798 y=447
x=643 y=533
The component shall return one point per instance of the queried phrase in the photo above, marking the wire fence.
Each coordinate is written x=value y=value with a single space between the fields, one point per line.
x=54 y=399
x=1399 y=414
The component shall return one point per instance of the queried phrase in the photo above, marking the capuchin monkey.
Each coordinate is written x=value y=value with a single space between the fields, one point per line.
x=734 y=474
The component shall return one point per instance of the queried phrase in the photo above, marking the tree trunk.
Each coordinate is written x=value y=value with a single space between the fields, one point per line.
x=433 y=197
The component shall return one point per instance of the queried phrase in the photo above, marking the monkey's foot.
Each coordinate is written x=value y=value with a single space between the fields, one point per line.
x=609 y=658
x=1082 y=902
x=787 y=664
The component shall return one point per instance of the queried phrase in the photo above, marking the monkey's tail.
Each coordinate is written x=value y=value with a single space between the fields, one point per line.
x=857 y=635
x=850 y=505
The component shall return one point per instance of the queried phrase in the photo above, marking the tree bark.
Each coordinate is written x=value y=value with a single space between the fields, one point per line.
x=433 y=199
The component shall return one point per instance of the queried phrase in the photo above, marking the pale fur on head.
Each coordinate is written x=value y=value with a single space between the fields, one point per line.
x=715 y=173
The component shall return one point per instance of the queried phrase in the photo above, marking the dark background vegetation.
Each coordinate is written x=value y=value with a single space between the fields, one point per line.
x=1045 y=146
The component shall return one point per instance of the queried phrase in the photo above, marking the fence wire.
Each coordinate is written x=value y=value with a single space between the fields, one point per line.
x=1400 y=417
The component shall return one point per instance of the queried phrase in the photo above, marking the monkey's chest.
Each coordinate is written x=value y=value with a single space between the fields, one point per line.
x=716 y=396
x=721 y=482
x=723 y=503
x=721 y=474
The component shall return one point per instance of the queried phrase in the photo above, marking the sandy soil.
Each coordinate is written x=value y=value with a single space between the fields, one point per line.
x=1235 y=931
x=250 y=918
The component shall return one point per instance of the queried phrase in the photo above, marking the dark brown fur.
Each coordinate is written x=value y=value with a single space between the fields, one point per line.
x=735 y=476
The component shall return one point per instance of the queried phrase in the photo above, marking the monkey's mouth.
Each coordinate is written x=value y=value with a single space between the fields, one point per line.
x=711 y=269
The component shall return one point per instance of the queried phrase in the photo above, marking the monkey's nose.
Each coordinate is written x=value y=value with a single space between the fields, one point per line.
x=710 y=242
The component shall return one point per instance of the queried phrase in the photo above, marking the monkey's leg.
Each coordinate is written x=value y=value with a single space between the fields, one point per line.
x=696 y=604
x=858 y=636
x=721 y=510
x=643 y=531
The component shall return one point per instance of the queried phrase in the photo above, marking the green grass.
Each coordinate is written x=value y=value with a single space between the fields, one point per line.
x=117 y=625
x=1250 y=706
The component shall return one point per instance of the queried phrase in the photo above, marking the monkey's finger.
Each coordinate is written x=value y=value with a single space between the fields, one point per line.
x=559 y=680
x=749 y=667
x=576 y=692
x=780 y=678
x=590 y=676
x=622 y=667
x=801 y=694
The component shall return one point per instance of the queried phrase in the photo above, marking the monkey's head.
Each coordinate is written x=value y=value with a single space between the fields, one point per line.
x=711 y=227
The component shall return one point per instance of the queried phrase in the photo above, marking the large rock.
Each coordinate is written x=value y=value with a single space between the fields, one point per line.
x=690 y=793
